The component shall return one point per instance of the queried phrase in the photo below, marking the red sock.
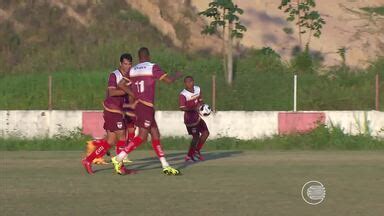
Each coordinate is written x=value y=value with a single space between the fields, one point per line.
x=98 y=142
x=99 y=151
x=120 y=146
x=191 y=151
x=156 y=145
x=131 y=136
x=132 y=145
x=199 y=146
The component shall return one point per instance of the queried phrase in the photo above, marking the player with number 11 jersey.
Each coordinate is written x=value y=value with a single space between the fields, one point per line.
x=143 y=79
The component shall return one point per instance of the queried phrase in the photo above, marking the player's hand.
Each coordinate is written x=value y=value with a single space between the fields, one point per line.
x=131 y=105
x=132 y=97
x=126 y=81
x=134 y=104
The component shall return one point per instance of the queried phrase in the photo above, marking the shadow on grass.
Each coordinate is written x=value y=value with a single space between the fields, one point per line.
x=102 y=169
x=177 y=160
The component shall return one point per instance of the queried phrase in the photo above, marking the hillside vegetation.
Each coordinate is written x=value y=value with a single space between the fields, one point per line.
x=79 y=52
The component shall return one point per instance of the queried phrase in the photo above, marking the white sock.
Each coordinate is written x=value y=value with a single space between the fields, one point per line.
x=164 y=162
x=120 y=157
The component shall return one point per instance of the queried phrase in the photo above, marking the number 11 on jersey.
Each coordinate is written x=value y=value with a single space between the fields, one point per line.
x=140 y=86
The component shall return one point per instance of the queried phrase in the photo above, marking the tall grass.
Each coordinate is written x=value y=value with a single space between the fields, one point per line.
x=261 y=83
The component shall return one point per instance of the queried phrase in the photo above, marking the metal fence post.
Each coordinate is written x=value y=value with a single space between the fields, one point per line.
x=377 y=101
x=50 y=92
x=295 y=93
x=214 y=93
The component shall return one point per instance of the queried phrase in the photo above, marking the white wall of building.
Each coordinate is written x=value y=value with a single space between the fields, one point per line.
x=238 y=124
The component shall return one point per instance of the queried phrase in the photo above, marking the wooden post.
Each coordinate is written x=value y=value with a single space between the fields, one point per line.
x=377 y=101
x=214 y=93
x=50 y=92
x=229 y=54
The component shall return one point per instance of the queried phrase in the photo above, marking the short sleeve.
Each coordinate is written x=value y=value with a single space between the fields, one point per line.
x=200 y=96
x=112 y=81
x=158 y=73
x=182 y=101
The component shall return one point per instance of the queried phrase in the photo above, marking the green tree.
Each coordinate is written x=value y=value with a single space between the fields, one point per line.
x=308 y=21
x=224 y=15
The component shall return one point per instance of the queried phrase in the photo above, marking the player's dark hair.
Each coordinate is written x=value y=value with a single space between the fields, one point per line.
x=188 y=77
x=125 y=56
x=143 y=52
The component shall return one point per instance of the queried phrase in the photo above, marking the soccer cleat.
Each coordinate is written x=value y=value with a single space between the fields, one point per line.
x=123 y=170
x=127 y=160
x=171 y=171
x=189 y=158
x=199 y=156
x=87 y=166
x=119 y=168
x=99 y=161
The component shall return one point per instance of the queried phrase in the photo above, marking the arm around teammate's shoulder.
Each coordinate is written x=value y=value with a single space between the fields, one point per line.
x=113 y=89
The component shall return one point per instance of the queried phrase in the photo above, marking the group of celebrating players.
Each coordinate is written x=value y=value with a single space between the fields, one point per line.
x=129 y=103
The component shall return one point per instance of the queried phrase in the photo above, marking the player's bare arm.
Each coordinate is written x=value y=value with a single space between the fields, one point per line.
x=186 y=109
x=113 y=92
x=123 y=86
x=132 y=104
x=172 y=79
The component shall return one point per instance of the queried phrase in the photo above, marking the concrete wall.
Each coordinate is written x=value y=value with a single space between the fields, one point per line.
x=355 y=122
x=38 y=123
x=238 y=124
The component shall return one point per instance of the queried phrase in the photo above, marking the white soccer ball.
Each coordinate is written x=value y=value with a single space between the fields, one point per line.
x=205 y=110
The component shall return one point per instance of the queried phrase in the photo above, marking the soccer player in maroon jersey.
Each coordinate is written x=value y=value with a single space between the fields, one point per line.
x=129 y=112
x=143 y=77
x=114 y=122
x=190 y=100
x=129 y=117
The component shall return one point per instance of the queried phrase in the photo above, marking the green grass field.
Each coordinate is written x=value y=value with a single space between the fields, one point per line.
x=227 y=183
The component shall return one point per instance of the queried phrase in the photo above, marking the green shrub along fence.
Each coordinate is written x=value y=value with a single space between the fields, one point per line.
x=322 y=138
